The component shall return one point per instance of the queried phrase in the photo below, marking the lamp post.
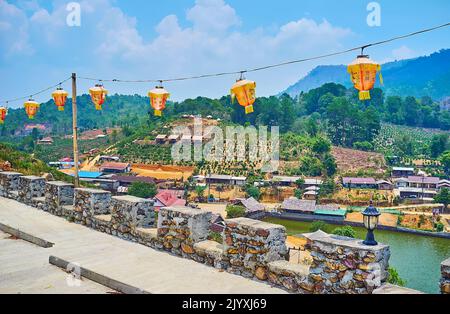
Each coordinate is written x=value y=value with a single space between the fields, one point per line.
x=370 y=218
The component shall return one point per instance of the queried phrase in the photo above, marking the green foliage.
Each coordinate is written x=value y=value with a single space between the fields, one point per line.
x=345 y=231
x=142 y=189
x=365 y=146
x=445 y=160
x=439 y=226
x=318 y=225
x=443 y=197
x=215 y=236
x=439 y=144
x=394 y=278
x=200 y=191
x=298 y=193
x=235 y=211
x=253 y=191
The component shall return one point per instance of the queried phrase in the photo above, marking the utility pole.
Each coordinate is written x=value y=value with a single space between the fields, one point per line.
x=75 y=128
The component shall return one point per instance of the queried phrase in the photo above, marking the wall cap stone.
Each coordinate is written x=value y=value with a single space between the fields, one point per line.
x=59 y=183
x=186 y=210
x=105 y=218
x=93 y=191
x=322 y=237
x=209 y=247
x=32 y=178
x=11 y=173
x=393 y=289
x=151 y=233
x=283 y=267
x=446 y=263
x=131 y=199
x=257 y=224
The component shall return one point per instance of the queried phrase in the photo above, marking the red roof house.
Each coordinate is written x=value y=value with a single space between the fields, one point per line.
x=168 y=198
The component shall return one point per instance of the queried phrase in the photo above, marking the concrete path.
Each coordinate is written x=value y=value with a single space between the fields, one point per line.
x=25 y=269
x=127 y=262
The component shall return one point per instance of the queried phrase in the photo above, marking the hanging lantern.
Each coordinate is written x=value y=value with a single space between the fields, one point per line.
x=244 y=91
x=3 y=113
x=31 y=108
x=60 y=97
x=158 y=98
x=98 y=95
x=363 y=73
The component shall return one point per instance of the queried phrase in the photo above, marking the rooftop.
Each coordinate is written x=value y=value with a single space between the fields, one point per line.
x=349 y=180
x=115 y=165
x=294 y=203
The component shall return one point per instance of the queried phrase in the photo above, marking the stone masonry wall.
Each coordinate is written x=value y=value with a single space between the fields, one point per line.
x=251 y=244
x=445 y=280
x=180 y=227
x=129 y=212
x=57 y=194
x=31 y=187
x=90 y=202
x=344 y=265
x=9 y=181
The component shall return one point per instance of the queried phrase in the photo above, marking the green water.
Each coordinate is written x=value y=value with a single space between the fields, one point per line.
x=416 y=258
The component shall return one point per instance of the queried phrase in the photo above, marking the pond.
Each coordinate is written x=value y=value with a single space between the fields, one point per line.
x=416 y=258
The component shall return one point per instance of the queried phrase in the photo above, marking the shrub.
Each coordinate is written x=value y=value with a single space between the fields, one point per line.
x=394 y=278
x=253 y=191
x=317 y=225
x=345 y=231
x=142 y=189
x=439 y=226
x=215 y=236
x=235 y=211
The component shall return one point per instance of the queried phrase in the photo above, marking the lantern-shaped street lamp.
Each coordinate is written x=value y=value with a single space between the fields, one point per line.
x=370 y=218
x=98 y=95
x=363 y=72
x=245 y=92
x=3 y=113
x=158 y=98
x=60 y=97
x=31 y=108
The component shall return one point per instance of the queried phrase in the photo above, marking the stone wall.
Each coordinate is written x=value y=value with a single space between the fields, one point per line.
x=179 y=228
x=31 y=187
x=251 y=244
x=58 y=194
x=9 y=182
x=90 y=202
x=445 y=280
x=129 y=212
x=251 y=248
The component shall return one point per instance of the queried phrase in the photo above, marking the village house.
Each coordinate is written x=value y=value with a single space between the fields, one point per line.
x=225 y=179
x=297 y=206
x=402 y=172
x=311 y=195
x=168 y=198
x=109 y=159
x=115 y=167
x=252 y=206
x=174 y=138
x=161 y=139
x=385 y=185
x=310 y=210
x=217 y=223
x=422 y=182
x=45 y=141
x=359 y=183
x=291 y=181
x=125 y=182
x=444 y=184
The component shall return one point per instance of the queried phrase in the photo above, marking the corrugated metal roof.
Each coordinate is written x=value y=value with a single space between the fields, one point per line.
x=339 y=212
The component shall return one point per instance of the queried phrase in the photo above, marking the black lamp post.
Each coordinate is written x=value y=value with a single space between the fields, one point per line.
x=370 y=218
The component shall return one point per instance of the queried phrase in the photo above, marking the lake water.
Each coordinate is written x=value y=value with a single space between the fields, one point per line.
x=416 y=258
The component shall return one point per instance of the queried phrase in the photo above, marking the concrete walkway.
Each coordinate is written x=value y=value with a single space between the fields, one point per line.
x=127 y=262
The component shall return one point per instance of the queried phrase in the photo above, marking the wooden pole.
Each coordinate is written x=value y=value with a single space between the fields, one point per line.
x=75 y=129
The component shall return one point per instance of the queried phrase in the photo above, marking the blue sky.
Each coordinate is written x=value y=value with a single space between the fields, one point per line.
x=146 y=39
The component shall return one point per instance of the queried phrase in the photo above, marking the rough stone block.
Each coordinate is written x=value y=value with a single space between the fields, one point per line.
x=31 y=187
x=9 y=181
x=180 y=227
x=131 y=212
x=445 y=280
x=251 y=244
x=57 y=194
x=91 y=202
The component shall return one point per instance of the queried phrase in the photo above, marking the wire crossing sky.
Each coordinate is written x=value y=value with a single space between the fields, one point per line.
x=266 y=67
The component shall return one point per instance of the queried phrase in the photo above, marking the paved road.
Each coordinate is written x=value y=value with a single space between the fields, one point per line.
x=130 y=263
x=25 y=269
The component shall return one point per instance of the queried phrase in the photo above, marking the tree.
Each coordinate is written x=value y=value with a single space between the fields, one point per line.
x=320 y=146
x=142 y=189
x=394 y=278
x=318 y=225
x=445 y=161
x=253 y=191
x=345 y=231
x=439 y=144
x=235 y=211
x=200 y=191
x=443 y=197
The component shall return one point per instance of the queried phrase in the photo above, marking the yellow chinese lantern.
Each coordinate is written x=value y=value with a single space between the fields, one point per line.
x=98 y=95
x=60 y=97
x=363 y=73
x=3 y=113
x=158 y=98
x=31 y=108
x=245 y=92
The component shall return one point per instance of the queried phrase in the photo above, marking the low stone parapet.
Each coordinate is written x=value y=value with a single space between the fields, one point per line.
x=9 y=182
x=293 y=277
x=251 y=244
x=445 y=280
x=129 y=212
x=90 y=203
x=180 y=227
x=31 y=187
x=58 y=194
x=345 y=265
x=211 y=253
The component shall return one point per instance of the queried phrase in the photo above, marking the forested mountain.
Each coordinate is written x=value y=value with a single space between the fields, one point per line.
x=424 y=76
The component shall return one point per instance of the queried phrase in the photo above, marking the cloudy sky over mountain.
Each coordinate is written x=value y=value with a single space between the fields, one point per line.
x=146 y=39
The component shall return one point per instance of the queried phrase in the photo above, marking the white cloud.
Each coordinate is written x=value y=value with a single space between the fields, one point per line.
x=212 y=16
x=403 y=52
x=14 y=37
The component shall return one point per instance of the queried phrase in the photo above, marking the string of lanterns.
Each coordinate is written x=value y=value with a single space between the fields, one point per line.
x=362 y=70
